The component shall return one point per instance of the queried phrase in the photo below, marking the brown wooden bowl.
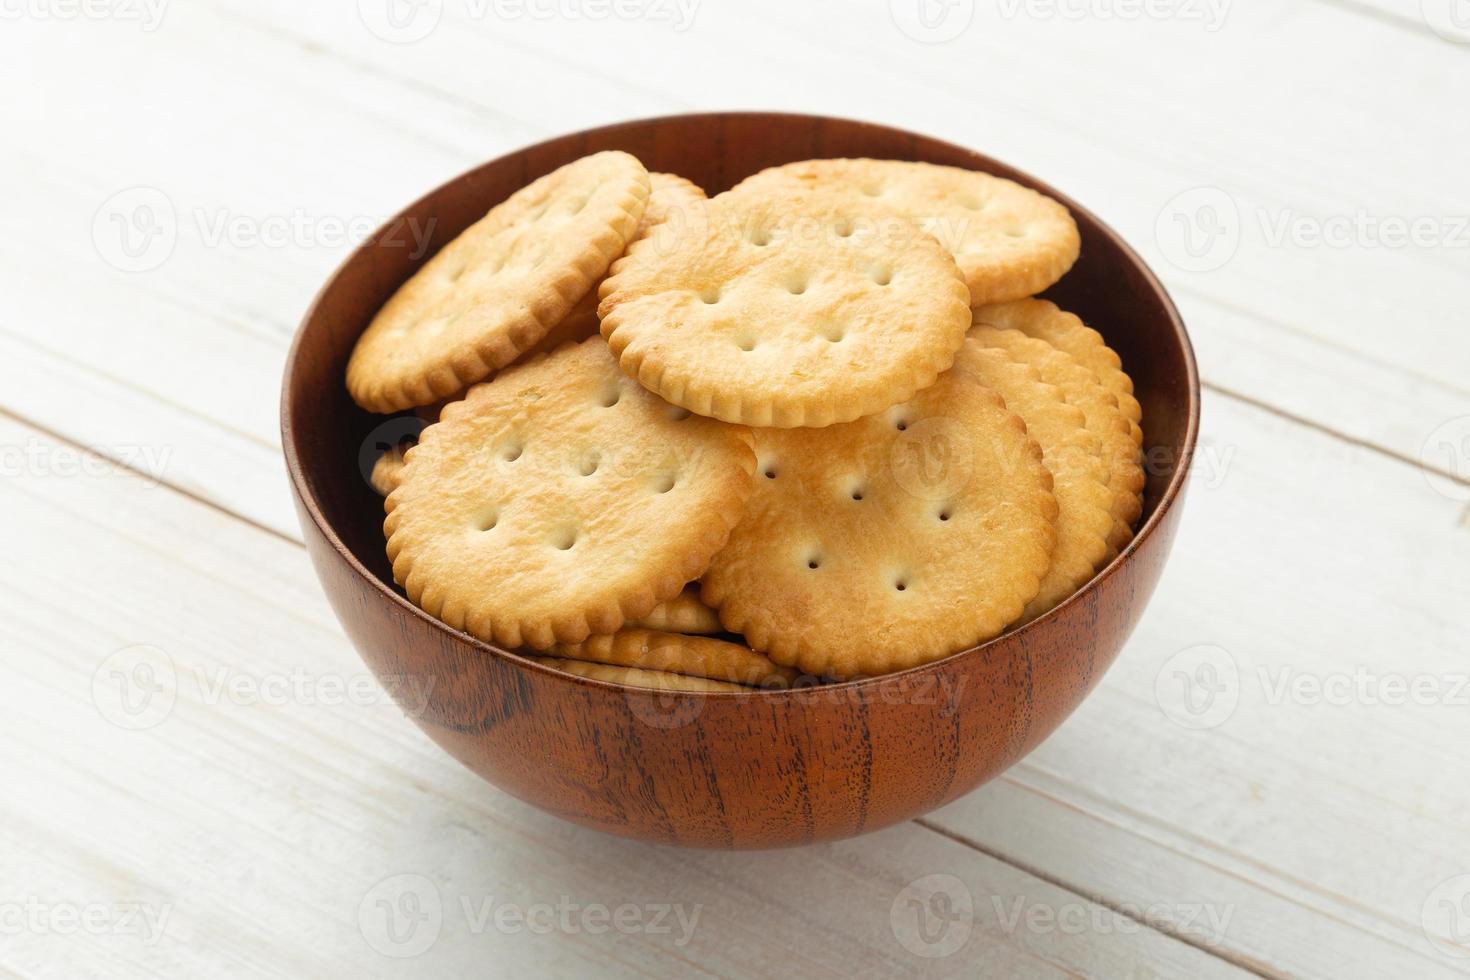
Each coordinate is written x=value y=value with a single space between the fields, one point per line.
x=764 y=769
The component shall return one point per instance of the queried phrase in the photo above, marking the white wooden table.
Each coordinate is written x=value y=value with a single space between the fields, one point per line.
x=198 y=778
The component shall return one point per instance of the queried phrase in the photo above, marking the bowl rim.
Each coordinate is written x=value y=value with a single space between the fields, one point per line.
x=1172 y=490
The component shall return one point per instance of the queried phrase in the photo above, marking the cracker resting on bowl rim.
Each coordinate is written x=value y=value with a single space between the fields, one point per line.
x=892 y=541
x=785 y=309
x=561 y=499
x=1010 y=241
x=497 y=288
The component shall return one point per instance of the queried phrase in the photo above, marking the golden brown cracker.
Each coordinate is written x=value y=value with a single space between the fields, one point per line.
x=785 y=309
x=562 y=499
x=877 y=545
x=1008 y=240
x=497 y=288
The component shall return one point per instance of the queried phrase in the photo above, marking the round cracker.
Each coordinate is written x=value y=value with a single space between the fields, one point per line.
x=684 y=613
x=670 y=196
x=892 y=541
x=697 y=656
x=561 y=499
x=785 y=309
x=1009 y=241
x=1099 y=406
x=495 y=290
x=1072 y=455
x=1065 y=331
x=636 y=677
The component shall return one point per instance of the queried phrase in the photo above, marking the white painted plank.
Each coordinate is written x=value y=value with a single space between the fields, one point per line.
x=1325 y=827
x=258 y=824
x=336 y=128
x=1094 y=118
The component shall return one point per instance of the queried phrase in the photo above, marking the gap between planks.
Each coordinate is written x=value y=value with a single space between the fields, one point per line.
x=1332 y=433
x=286 y=34
x=1235 y=959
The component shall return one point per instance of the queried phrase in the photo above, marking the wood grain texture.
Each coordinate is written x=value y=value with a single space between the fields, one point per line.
x=281 y=793
x=833 y=762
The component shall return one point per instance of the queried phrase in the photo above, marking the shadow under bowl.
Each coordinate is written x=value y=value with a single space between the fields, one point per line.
x=771 y=768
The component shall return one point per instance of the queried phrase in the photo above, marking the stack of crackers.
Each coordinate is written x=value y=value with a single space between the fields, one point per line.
x=814 y=427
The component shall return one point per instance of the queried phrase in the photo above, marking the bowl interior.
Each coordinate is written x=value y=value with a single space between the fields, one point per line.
x=330 y=443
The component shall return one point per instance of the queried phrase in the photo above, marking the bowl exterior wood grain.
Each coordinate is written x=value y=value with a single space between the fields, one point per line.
x=724 y=770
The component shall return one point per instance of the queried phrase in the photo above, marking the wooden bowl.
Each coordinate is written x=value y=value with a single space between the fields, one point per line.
x=764 y=769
